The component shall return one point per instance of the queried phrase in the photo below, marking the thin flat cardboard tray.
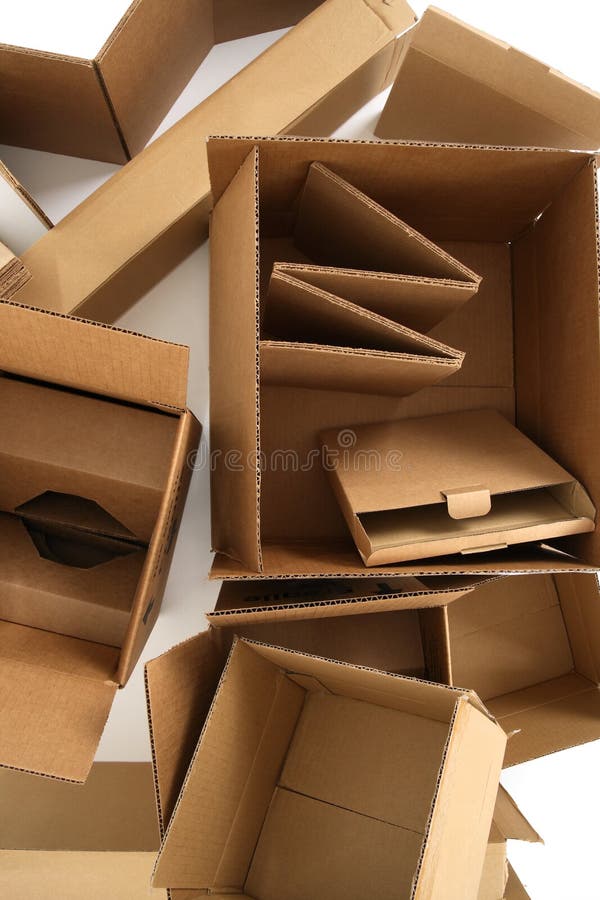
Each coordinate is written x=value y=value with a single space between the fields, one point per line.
x=311 y=337
x=95 y=471
x=154 y=212
x=108 y=107
x=458 y=84
x=289 y=704
x=525 y=220
x=456 y=483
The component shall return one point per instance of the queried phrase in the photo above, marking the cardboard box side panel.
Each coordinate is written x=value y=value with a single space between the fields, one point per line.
x=453 y=857
x=180 y=686
x=493 y=876
x=51 y=721
x=56 y=104
x=58 y=652
x=253 y=715
x=153 y=580
x=71 y=876
x=580 y=604
x=564 y=417
x=114 y=810
x=88 y=357
x=234 y=369
x=169 y=180
x=242 y=18
x=573 y=107
x=149 y=59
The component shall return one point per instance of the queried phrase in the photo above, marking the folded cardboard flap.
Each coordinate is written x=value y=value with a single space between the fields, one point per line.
x=22 y=221
x=287 y=87
x=529 y=646
x=457 y=84
x=505 y=213
x=292 y=704
x=394 y=478
x=13 y=273
x=509 y=823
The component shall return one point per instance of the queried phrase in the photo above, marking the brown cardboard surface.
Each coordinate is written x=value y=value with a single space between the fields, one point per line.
x=13 y=274
x=528 y=648
x=169 y=179
x=494 y=196
x=38 y=875
x=269 y=704
x=457 y=84
x=113 y=811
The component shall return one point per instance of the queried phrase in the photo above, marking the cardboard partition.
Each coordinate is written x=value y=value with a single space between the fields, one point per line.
x=526 y=221
x=312 y=337
x=457 y=84
x=154 y=212
x=94 y=476
x=458 y=483
x=243 y=602
x=530 y=647
x=291 y=708
x=108 y=107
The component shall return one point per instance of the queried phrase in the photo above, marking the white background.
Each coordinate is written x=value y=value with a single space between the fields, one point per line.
x=560 y=793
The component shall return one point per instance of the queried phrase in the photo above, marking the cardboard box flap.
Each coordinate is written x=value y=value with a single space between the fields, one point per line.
x=514 y=889
x=484 y=454
x=510 y=821
x=239 y=18
x=13 y=273
x=74 y=353
x=180 y=686
x=489 y=92
x=22 y=221
x=51 y=722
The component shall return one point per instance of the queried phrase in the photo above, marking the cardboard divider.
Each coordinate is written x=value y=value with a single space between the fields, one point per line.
x=511 y=214
x=91 y=494
x=529 y=647
x=316 y=338
x=456 y=83
x=279 y=728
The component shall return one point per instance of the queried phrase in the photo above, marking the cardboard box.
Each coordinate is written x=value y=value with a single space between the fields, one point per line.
x=530 y=647
x=360 y=333
x=338 y=814
x=94 y=454
x=108 y=107
x=499 y=880
x=457 y=84
x=153 y=213
x=526 y=220
x=465 y=482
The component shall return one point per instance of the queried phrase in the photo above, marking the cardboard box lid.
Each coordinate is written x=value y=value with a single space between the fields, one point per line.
x=90 y=357
x=51 y=721
x=184 y=862
x=461 y=458
x=22 y=221
x=458 y=84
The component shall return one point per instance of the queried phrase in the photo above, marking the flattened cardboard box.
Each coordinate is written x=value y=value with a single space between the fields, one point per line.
x=298 y=703
x=154 y=212
x=108 y=107
x=525 y=220
x=95 y=471
x=457 y=84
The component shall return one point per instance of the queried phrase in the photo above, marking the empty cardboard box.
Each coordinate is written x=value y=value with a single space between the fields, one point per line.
x=94 y=473
x=108 y=107
x=530 y=647
x=349 y=320
x=523 y=219
x=457 y=84
x=153 y=213
x=465 y=482
x=400 y=802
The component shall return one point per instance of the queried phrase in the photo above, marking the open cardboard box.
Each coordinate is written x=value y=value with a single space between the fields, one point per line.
x=530 y=646
x=154 y=212
x=458 y=84
x=288 y=704
x=462 y=482
x=94 y=474
x=526 y=220
x=108 y=107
